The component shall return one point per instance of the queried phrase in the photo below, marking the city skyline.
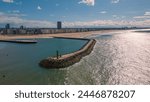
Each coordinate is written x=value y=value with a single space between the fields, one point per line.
x=75 y=13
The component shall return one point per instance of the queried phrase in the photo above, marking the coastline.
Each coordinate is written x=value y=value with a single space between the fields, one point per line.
x=68 y=35
x=68 y=59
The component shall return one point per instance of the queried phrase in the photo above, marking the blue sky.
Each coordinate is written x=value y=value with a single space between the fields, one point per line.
x=75 y=13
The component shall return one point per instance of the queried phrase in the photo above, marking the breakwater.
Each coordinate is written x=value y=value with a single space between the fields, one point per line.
x=72 y=38
x=68 y=59
x=20 y=41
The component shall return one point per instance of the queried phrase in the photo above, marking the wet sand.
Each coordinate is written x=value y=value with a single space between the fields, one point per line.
x=70 y=35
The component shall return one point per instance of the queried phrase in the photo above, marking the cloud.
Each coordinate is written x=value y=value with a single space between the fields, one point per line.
x=115 y=16
x=1 y=13
x=103 y=12
x=15 y=11
x=145 y=16
x=51 y=15
x=12 y=14
x=110 y=23
x=19 y=3
x=39 y=8
x=8 y=1
x=118 y=17
x=141 y=17
x=57 y=4
x=115 y=1
x=16 y=20
x=87 y=2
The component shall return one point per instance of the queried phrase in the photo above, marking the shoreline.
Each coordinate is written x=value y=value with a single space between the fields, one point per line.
x=67 y=59
x=67 y=35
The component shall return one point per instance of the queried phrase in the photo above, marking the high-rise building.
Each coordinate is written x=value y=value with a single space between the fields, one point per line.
x=21 y=27
x=59 y=26
x=7 y=26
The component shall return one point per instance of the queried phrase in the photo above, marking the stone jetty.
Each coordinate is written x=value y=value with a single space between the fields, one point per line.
x=69 y=59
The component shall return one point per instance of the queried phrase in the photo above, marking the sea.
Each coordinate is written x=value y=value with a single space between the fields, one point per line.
x=121 y=58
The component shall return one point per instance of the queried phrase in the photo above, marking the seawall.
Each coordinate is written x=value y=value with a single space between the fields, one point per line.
x=72 y=38
x=69 y=59
x=20 y=41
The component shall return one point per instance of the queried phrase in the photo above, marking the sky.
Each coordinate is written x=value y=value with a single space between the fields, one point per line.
x=75 y=13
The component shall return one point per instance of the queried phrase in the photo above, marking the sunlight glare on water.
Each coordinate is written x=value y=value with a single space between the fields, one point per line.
x=117 y=59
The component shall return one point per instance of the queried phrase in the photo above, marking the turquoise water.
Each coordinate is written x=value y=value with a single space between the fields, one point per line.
x=19 y=62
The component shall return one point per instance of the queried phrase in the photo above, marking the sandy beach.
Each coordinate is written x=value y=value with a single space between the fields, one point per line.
x=70 y=35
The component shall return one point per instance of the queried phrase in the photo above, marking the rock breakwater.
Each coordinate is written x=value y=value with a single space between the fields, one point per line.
x=68 y=59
